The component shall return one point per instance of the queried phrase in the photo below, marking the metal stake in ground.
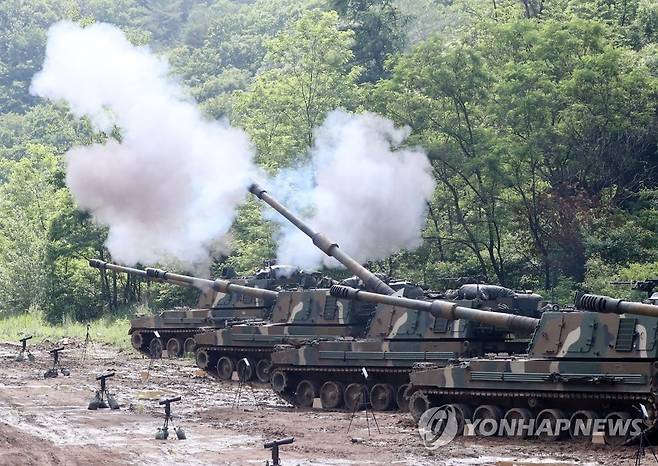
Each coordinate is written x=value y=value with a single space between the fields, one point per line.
x=242 y=381
x=163 y=432
x=103 y=394
x=365 y=401
x=86 y=344
x=53 y=372
x=152 y=357
x=274 y=445
x=25 y=352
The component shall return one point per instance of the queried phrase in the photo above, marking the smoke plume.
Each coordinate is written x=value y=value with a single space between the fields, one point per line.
x=169 y=188
x=360 y=189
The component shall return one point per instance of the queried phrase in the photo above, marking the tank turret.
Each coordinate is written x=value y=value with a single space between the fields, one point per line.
x=442 y=309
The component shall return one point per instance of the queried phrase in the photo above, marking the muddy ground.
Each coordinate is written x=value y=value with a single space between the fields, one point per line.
x=47 y=422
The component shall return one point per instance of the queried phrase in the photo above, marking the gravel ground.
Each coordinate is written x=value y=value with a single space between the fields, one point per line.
x=47 y=422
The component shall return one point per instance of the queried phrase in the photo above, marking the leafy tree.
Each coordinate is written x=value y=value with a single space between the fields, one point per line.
x=378 y=27
x=308 y=72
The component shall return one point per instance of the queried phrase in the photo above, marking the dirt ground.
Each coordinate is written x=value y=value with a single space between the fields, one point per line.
x=47 y=422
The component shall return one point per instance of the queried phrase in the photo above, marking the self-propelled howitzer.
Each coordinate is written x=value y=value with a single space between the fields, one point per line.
x=598 y=363
x=221 y=302
x=477 y=320
x=297 y=316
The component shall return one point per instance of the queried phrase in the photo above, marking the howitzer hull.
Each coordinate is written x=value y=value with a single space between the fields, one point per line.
x=397 y=338
x=581 y=365
x=297 y=317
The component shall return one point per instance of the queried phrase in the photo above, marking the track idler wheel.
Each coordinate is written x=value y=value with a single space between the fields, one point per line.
x=331 y=394
x=279 y=381
x=519 y=421
x=264 y=370
x=488 y=417
x=354 y=396
x=382 y=396
x=419 y=402
x=581 y=425
x=189 y=346
x=548 y=425
x=306 y=392
x=174 y=347
x=155 y=348
x=202 y=358
x=225 y=368
x=402 y=395
x=137 y=340
x=246 y=369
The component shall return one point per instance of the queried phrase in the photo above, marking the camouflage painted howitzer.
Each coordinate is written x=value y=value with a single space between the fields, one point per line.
x=596 y=363
x=221 y=302
x=297 y=316
x=402 y=332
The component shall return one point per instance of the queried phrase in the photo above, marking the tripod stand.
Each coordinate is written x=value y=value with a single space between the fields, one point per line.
x=53 y=372
x=642 y=447
x=102 y=394
x=364 y=399
x=25 y=353
x=243 y=367
x=163 y=432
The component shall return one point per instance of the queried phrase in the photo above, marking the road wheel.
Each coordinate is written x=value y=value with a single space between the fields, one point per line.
x=264 y=370
x=202 y=358
x=189 y=346
x=518 y=421
x=382 y=396
x=305 y=393
x=155 y=348
x=354 y=396
x=489 y=417
x=137 y=340
x=402 y=395
x=547 y=425
x=581 y=425
x=225 y=368
x=174 y=347
x=614 y=433
x=331 y=395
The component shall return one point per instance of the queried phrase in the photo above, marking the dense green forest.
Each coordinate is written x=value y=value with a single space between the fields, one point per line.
x=539 y=119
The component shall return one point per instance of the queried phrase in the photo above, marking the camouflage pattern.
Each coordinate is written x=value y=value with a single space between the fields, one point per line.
x=244 y=299
x=297 y=317
x=602 y=363
x=396 y=338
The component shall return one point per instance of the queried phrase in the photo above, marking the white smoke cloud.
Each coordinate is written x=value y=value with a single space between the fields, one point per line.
x=368 y=194
x=169 y=189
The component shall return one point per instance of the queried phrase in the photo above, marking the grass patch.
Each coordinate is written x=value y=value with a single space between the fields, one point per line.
x=113 y=331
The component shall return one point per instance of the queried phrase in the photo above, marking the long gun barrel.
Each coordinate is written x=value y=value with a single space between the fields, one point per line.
x=223 y=286
x=99 y=264
x=444 y=309
x=596 y=303
x=327 y=246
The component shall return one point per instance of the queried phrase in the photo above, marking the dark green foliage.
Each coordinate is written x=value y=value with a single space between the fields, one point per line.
x=539 y=119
